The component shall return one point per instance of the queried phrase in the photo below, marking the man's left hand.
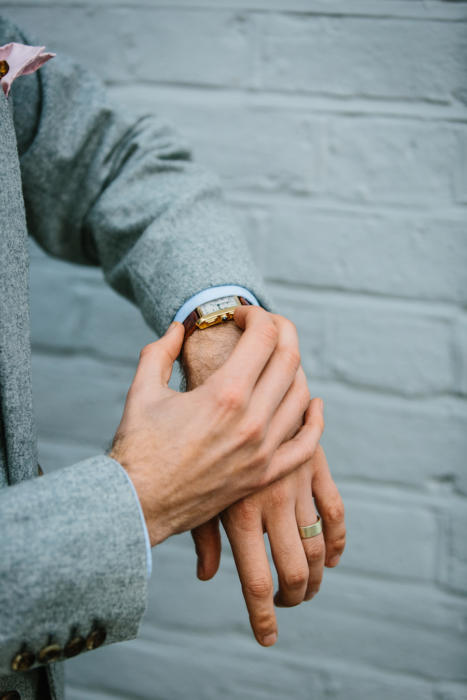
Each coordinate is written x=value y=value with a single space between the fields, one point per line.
x=277 y=510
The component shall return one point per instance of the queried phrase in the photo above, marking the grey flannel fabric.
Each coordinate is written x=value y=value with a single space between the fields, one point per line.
x=72 y=551
x=103 y=189
x=99 y=189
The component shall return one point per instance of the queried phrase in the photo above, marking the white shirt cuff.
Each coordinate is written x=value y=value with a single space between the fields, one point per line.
x=143 y=521
x=223 y=290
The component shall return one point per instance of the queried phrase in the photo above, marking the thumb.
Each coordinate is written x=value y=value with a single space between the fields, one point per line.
x=156 y=359
x=207 y=541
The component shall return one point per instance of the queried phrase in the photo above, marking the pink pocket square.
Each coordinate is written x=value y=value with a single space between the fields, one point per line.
x=20 y=59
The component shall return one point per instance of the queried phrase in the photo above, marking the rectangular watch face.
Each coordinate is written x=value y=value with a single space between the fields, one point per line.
x=217 y=305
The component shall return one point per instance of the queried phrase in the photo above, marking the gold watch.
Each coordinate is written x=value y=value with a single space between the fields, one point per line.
x=213 y=312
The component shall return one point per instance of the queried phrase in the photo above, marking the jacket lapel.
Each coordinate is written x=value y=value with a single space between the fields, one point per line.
x=16 y=406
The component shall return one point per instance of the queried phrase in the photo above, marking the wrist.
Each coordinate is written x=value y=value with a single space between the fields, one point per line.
x=142 y=485
x=207 y=350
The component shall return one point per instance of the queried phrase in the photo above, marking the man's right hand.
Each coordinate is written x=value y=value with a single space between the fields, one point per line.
x=190 y=455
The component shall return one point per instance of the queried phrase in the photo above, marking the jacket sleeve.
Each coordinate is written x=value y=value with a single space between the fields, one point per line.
x=73 y=563
x=105 y=189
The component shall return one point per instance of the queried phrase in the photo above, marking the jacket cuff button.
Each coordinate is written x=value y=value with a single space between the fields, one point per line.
x=74 y=646
x=95 y=638
x=23 y=661
x=49 y=653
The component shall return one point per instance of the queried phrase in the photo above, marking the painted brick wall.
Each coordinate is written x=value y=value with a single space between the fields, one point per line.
x=340 y=130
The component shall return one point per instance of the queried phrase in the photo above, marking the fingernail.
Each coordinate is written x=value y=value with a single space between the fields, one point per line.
x=270 y=639
x=321 y=405
x=171 y=327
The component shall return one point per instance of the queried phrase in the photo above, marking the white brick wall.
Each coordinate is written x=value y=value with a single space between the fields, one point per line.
x=340 y=130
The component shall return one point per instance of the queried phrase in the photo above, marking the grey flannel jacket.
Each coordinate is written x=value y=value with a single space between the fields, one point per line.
x=94 y=187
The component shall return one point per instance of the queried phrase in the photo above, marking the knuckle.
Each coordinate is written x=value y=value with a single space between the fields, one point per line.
x=337 y=544
x=334 y=512
x=253 y=432
x=315 y=552
x=262 y=460
x=263 y=478
x=291 y=326
x=243 y=515
x=260 y=588
x=147 y=350
x=230 y=399
x=269 y=333
x=291 y=357
x=279 y=497
x=295 y=580
x=287 y=324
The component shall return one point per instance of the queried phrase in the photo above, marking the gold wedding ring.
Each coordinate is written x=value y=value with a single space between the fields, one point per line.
x=311 y=530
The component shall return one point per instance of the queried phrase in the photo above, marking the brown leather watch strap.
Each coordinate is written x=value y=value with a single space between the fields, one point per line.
x=190 y=321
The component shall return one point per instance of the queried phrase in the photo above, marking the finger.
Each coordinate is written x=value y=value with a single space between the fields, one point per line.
x=289 y=558
x=330 y=506
x=156 y=359
x=253 y=350
x=279 y=373
x=288 y=417
x=299 y=449
x=255 y=576
x=207 y=541
x=313 y=547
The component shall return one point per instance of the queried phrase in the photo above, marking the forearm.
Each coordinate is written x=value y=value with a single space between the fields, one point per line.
x=104 y=188
x=72 y=540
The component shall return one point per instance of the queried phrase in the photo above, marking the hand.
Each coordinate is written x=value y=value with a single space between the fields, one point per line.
x=277 y=510
x=191 y=455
